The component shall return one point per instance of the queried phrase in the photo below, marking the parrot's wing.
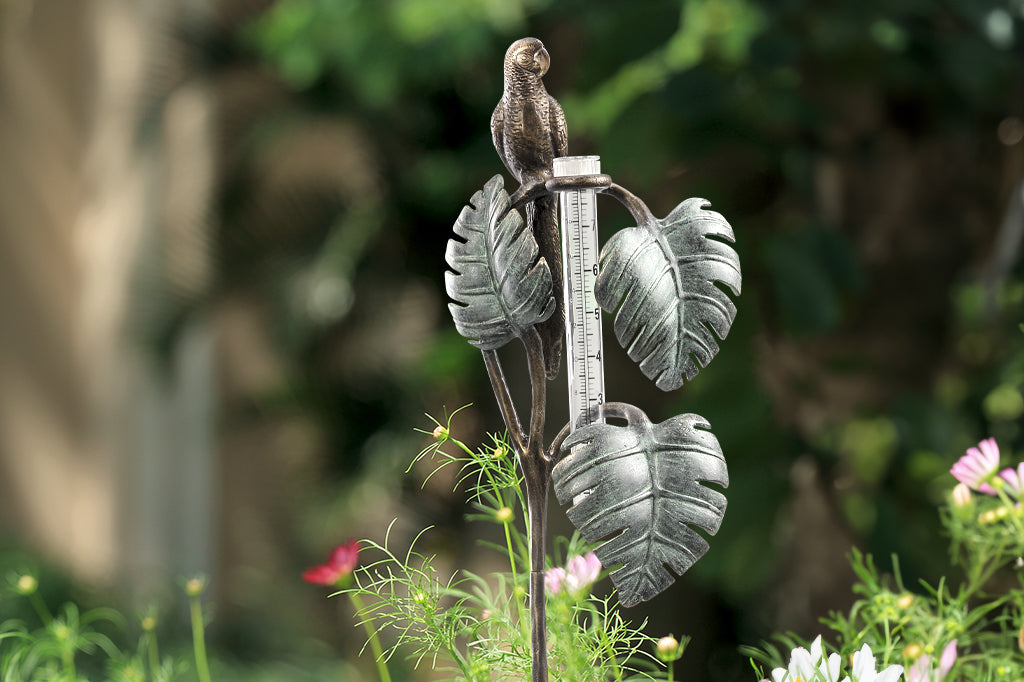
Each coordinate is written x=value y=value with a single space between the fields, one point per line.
x=498 y=133
x=559 y=132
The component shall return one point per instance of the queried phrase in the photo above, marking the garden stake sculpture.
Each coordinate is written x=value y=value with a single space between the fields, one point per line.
x=640 y=484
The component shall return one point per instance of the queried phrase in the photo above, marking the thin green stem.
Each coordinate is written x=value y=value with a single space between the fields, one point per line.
x=671 y=671
x=462 y=446
x=511 y=555
x=462 y=663
x=888 y=641
x=449 y=645
x=598 y=623
x=1012 y=512
x=199 y=638
x=498 y=490
x=374 y=641
x=515 y=575
x=68 y=659
x=153 y=654
x=40 y=608
x=985 y=569
x=481 y=460
x=484 y=469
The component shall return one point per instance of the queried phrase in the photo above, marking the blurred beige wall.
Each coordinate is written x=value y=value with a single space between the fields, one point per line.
x=106 y=170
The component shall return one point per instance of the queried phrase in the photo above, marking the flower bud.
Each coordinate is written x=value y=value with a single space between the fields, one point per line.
x=26 y=585
x=905 y=601
x=961 y=495
x=913 y=651
x=424 y=601
x=148 y=623
x=440 y=434
x=504 y=515
x=194 y=587
x=130 y=673
x=669 y=649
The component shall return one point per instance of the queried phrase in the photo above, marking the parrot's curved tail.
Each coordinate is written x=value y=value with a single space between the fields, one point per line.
x=542 y=217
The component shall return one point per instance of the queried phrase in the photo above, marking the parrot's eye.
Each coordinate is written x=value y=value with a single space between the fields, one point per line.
x=524 y=59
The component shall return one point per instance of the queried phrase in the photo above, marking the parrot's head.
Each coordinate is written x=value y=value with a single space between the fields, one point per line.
x=527 y=55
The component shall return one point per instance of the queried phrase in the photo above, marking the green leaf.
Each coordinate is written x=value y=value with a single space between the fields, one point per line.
x=500 y=285
x=660 y=278
x=641 y=483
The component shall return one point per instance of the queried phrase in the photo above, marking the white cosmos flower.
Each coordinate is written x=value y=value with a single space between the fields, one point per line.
x=864 y=668
x=828 y=668
x=809 y=666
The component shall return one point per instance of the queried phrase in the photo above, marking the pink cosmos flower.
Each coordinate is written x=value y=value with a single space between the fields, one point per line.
x=580 y=573
x=1013 y=480
x=553 y=579
x=922 y=670
x=976 y=468
x=338 y=568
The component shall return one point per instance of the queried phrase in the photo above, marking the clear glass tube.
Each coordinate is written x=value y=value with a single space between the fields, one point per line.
x=580 y=249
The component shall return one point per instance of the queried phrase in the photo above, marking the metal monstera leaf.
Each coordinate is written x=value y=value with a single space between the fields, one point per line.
x=660 y=277
x=642 y=484
x=499 y=285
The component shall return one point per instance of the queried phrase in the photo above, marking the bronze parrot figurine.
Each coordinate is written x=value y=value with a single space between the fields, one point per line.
x=528 y=128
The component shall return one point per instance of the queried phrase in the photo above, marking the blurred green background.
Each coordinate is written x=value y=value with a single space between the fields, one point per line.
x=222 y=236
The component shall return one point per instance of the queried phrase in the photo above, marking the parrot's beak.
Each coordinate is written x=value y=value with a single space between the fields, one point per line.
x=543 y=61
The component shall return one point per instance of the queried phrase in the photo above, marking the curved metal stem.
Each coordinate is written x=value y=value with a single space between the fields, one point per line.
x=536 y=499
x=599 y=182
x=536 y=464
x=527 y=192
x=538 y=386
x=504 y=398
x=552 y=453
x=537 y=479
x=632 y=202
x=630 y=413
